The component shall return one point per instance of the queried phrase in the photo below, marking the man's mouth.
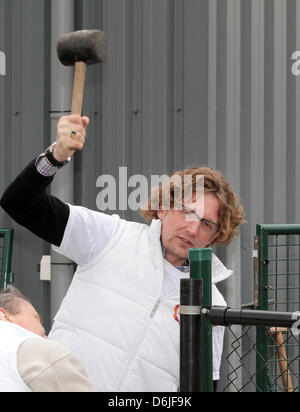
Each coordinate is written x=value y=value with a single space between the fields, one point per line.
x=186 y=241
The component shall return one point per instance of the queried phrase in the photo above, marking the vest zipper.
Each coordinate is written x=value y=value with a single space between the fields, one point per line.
x=137 y=345
x=155 y=307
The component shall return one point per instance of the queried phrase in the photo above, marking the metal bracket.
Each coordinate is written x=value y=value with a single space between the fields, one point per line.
x=190 y=310
x=256 y=271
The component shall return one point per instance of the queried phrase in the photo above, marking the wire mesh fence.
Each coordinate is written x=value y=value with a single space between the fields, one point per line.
x=248 y=367
x=280 y=366
x=278 y=287
x=277 y=268
x=264 y=350
x=284 y=272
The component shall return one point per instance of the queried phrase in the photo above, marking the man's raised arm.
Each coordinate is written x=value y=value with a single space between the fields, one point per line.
x=26 y=199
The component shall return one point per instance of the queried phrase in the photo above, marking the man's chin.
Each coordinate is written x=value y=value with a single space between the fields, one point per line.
x=182 y=254
x=176 y=257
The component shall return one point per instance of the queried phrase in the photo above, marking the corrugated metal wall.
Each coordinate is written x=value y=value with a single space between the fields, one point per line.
x=24 y=125
x=186 y=82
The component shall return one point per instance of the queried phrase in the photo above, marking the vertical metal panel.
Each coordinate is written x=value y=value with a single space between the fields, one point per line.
x=115 y=86
x=195 y=82
x=33 y=128
x=233 y=147
x=137 y=88
x=247 y=189
x=24 y=126
x=269 y=112
x=212 y=83
x=290 y=112
x=156 y=70
x=257 y=113
x=221 y=84
x=233 y=169
x=2 y=92
x=280 y=63
x=88 y=15
x=296 y=186
x=62 y=21
x=178 y=125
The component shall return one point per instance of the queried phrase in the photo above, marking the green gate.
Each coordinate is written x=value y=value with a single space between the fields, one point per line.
x=277 y=288
x=264 y=351
x=6 y=244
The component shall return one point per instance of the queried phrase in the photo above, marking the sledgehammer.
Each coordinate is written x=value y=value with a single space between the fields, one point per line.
x=81 y=48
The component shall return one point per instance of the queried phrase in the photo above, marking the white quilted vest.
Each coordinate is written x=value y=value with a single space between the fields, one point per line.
x=11 y=337
x=113 y=320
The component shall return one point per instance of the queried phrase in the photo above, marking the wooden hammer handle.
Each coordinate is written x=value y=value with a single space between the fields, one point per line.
x=283 y=364
x=78 y=89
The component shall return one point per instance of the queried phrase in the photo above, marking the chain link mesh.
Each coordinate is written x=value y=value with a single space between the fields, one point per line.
x=281 y=365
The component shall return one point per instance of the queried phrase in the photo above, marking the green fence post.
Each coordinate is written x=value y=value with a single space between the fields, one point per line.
x=5 y=274
x=200 y=268
x=262 y=381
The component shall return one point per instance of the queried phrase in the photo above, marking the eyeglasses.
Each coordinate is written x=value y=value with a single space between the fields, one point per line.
x=207 y=225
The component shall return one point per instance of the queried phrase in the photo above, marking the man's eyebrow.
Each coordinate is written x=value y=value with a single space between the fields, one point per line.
x=190 y=209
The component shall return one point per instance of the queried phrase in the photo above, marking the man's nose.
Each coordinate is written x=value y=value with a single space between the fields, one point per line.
x=193 y=227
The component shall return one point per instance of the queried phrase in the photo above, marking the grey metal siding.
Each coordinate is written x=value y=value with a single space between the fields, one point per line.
x=185 y=82
x=24 y=93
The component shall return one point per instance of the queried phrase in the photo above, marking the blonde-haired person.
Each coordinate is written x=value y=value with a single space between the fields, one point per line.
x=230 y=211
x=28 y=361
x=120 y=313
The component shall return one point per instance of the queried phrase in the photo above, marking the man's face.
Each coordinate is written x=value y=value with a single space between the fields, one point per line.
x=179 y=233
x=27 y=318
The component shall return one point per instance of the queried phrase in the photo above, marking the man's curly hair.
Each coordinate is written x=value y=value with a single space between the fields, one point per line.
x=231 y=212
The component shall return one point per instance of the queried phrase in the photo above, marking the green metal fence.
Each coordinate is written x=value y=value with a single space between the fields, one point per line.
x=281 y=369
x=263 y=356
x=277 y=288
x=6 y=245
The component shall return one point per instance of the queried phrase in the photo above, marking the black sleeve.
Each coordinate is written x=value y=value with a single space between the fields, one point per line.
x=28 y=203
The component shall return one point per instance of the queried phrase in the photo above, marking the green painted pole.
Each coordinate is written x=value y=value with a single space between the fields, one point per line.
x=5 y=268
x=200 y=268
x=261 y=335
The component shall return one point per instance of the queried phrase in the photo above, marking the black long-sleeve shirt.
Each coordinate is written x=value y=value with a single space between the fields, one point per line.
x=26 y=200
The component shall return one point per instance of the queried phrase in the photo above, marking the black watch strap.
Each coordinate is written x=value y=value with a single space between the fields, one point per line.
x=49 y=155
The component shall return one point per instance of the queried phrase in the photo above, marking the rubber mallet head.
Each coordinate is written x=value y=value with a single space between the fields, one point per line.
x=81 y=48
x=88 y=46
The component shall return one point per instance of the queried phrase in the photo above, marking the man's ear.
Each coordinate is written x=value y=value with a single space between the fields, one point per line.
x=3 y=314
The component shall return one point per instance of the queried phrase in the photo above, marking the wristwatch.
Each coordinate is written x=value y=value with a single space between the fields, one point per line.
x=48 y=153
